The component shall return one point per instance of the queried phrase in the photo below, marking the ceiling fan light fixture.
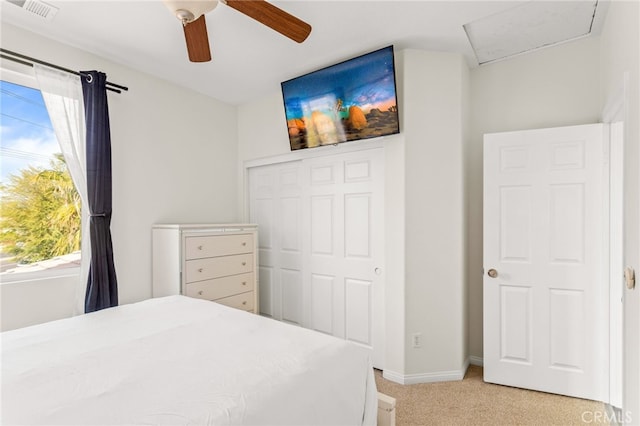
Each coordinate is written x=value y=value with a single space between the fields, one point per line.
x=184 y=16
x=189 y=10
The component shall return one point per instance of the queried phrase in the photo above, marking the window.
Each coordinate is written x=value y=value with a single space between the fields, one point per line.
x=39 y=205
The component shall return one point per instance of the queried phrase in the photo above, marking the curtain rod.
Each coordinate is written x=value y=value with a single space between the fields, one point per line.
x=26 y=60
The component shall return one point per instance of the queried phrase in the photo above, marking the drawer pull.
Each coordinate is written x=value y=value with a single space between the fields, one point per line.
x=244 y=263
x=199 y=247
x=244 y=302
x=200 y=293
x=244 y=244
x=244 y=283
x=199 y=269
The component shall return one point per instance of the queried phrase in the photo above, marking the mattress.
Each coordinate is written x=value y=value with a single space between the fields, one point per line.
x=179 y=360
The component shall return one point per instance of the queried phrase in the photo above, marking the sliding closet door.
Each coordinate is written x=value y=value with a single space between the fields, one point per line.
x=275 y=204
x=344 y=247
x=321 y=230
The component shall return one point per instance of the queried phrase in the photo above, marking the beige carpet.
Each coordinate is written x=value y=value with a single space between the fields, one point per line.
x=474 y=402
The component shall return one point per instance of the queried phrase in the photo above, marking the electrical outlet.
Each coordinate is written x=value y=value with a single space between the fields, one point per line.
x=416 y=340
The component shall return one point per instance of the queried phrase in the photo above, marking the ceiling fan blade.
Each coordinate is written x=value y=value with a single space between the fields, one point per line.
x=273 y=17
x=195 y=33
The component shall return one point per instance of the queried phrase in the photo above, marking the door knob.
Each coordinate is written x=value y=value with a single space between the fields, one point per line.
x=492 y=273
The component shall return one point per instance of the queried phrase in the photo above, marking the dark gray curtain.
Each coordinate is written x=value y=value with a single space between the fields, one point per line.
x=102 y=285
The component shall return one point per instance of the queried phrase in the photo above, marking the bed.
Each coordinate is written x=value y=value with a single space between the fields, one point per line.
x=179 y=360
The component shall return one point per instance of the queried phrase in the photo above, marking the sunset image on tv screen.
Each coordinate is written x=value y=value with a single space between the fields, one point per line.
x=352 y=100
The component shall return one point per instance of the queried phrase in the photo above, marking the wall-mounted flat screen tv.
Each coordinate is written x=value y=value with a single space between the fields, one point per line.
x=348 y=101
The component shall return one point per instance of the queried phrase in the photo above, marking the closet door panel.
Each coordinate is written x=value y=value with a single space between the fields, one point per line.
x=262 y=210
x=291 y=296
x=322 y=224
x=289 y=242
x=358 y=304
x=266 y=290
x=357 y=228
x=275 y=204
x=322 y=303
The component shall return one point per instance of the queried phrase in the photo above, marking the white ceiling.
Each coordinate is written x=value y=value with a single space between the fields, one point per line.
x=249 y=59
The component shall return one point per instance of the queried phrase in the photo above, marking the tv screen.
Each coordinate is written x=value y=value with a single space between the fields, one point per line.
x=348 y=101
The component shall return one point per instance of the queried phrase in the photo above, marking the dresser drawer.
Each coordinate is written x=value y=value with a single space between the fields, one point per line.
x=216 y=267
x=198 y=247
x=242 y=301
x=221 y=287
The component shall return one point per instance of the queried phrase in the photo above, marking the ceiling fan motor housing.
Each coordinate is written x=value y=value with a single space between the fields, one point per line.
x=189 y=10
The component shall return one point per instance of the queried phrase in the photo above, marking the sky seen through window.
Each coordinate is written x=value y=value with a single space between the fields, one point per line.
x=26 y=135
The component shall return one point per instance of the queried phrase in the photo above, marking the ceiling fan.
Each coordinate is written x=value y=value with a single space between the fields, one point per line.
x=191 y=14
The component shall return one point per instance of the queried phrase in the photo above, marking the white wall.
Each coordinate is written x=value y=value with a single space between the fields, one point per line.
x=423 y=213
x=433 y=124
x=620 y=51
x=174 y=158
x=557 y=86
x=24 y=303
x=395 y=230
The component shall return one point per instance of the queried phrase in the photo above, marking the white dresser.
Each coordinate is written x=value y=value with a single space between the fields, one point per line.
x=216 y=262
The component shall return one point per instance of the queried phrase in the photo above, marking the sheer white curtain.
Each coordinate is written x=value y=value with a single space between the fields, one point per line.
x=62 y=93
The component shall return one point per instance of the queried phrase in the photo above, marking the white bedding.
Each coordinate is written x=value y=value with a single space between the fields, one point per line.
x=178 y=360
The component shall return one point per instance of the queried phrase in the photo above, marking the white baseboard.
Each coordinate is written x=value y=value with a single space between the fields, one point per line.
x=439 y=376
x=476 y=360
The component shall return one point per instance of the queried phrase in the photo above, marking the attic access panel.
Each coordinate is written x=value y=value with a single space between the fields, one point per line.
x=529 y=26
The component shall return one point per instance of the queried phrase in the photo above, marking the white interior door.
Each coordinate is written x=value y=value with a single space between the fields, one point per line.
x=321 y=248
x=545 y=288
